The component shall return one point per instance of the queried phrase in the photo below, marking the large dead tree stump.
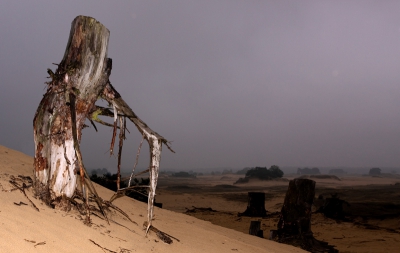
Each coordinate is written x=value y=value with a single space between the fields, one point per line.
x=294 y=226
x=255 y=205
x=84 y=72
x=80 y=80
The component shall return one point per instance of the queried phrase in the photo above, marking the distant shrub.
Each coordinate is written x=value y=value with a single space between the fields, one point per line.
x=375 y=171
x=261 y=173
x=308 y=171
x=275 y=171
x=264 y=174
x=183 y=174
x=243 y=171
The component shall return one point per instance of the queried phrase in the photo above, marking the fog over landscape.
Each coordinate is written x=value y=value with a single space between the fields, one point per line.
x=232 y=84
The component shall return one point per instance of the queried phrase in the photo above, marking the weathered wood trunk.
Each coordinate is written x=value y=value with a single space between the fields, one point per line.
x=296 y=211
x=255 y=205
x=83 y=71
x=294 y=226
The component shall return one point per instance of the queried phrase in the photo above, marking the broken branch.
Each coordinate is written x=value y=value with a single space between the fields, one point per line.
x=98 y=245
x=136 y=161
x=122 y=125
x=154 y=139
x=161 y=235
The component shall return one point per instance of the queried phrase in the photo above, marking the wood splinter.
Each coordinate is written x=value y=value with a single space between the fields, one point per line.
x=22 y=189
x=161 y=235
x=20 y=203
x=103 y=248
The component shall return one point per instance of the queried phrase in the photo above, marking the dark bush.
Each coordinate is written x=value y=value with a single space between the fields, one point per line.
x=374 y=171
x=107 y=180
x=258 y=172
x=275 y=171
x=264 y=174
x=261 y=173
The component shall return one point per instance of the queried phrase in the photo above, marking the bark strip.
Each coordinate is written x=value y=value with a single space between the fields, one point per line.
x=154 y=139
x=81 y=166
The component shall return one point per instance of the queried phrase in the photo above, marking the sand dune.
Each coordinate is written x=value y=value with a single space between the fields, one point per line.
x=24 y=229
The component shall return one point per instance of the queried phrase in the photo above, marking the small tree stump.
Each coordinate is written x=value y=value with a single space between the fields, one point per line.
x=294 y=226
x=333 y=208
x=255 y=229
x=256 y=205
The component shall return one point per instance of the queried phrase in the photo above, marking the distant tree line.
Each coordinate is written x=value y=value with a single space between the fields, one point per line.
x=224 y=172
x=109 y=181
x=308 y=171
x=184 y=174
x=261 y=173
x=337 y=172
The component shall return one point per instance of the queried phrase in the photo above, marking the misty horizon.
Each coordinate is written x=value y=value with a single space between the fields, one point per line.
x=285 y=169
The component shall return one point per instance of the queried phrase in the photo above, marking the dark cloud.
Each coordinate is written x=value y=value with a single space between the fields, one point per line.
x=232 y=83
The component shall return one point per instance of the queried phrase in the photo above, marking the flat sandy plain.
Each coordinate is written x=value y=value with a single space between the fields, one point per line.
x=372 y=221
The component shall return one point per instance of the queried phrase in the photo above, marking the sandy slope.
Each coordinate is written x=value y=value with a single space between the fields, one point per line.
x=23 y=229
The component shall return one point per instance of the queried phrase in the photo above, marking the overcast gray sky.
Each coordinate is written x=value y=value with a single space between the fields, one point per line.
x=231 y=83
